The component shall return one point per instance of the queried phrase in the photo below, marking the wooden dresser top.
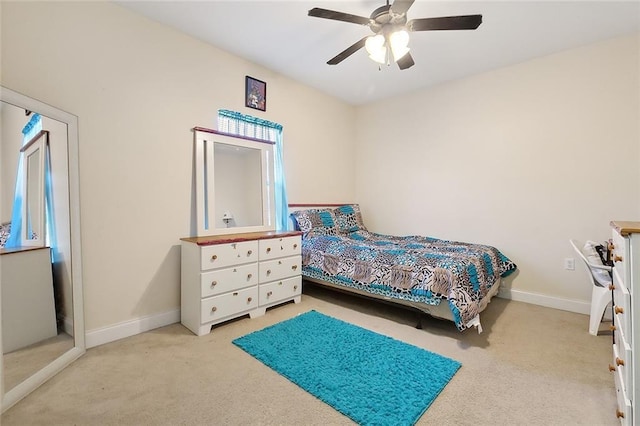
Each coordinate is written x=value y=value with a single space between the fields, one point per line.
x=625 y=227
x=21 y=249
x=236 y=238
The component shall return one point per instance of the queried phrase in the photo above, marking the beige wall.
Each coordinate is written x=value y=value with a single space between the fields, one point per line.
x=522 y=158
x=13 y=121
x=138 y=88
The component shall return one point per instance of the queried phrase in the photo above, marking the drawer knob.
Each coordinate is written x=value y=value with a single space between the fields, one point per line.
x=612 y=287
x=279 y=262
x=619 y=414
x=268 y=249
x=619 y=361
x=249 y=299
x=618 y=310
x=268 y=271
x=295 y=246
x=611 y=368
x=280 y=283
x=295 y=287
x=249 y=276
x=269 y=293
x=613 y=327
x=294 y=267
x=281 y=248
x=214 y=257
x=617 y=258
x=214 y=309
x=214 y=283
x=249 y=253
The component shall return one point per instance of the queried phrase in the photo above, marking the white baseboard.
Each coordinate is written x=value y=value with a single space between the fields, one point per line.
x=130 y=328
x=67 y=325
x=140 y=325
x=577 y=306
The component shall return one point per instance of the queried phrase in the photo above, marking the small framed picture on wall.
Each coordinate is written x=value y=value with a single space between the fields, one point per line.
x=255 y=93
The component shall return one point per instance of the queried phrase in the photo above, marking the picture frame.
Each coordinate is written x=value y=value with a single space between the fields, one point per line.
x=255 y=93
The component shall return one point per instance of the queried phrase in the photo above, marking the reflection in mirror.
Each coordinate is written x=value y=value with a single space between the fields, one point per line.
x=40 y=287
x=33 y=196
x=233 y=183
x=33 y=212
x=237 y=186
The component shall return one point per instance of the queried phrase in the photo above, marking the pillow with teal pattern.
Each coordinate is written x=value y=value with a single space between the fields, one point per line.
x=349 y=218
x=316 y=221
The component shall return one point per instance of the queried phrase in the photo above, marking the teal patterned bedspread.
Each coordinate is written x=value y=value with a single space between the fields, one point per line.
x=413 y=268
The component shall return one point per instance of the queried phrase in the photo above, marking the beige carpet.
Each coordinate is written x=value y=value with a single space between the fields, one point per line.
x=22 y=363
x=531 y=366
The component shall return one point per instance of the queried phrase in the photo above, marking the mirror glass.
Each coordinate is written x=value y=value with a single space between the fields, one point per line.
x=33 y=233
x=233 y=179
x=40 y=287
x=237 y=186
x=33 y=195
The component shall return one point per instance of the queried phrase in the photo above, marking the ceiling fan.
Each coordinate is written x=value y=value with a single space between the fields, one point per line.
x=391 y=28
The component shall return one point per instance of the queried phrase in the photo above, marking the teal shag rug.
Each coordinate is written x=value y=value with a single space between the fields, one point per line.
x=370 y=378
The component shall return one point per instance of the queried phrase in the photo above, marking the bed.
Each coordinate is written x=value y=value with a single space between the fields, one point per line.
x=445 y=279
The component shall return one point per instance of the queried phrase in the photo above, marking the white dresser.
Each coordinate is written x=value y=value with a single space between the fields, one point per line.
x=228 y=276
x=626 y=282
x=28 y=306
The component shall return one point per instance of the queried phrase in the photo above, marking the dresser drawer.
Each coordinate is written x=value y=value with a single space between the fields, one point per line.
x=218 y=307
x=221 y=281
x=223 y=255
x=623 y=410
x=280 y=268
x=622 y=361
x=619 y=256
x=273 y=248
x=621 y=305
x=280 y=290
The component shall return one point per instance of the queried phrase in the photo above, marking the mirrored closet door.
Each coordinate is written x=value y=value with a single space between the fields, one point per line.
x=41 y=307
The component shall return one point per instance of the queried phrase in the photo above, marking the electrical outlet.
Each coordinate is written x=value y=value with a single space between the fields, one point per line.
x=569 y=263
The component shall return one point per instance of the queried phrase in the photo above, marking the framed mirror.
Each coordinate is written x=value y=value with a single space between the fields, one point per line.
x=234 y=184
x=47 y=266
x=33 y=163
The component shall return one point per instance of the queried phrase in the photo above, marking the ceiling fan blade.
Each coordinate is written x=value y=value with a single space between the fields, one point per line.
x=347 y=52
x=405 y=62
x=401 y=6
x=338 y=16
x=467 y=22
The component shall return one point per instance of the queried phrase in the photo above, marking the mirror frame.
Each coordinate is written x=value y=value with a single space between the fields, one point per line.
x=204 y=140
x=41 y=376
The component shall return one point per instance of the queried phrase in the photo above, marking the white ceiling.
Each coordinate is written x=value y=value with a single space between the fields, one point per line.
x=281 y=37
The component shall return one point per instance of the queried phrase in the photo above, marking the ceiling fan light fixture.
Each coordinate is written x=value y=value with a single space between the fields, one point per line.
x=376 y=48
x=390 y=25
x=399 y=41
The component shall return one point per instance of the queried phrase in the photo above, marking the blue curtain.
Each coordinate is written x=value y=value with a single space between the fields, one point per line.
x=28 y=132
x=245 y=125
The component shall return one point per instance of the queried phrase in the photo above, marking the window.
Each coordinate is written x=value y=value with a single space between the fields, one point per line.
x=239 y=124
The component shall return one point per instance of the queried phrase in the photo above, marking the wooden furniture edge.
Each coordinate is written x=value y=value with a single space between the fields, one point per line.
x=626 y=227
x=21 y=249
x=34 y=139
x=237 y=238
x=231 y=135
